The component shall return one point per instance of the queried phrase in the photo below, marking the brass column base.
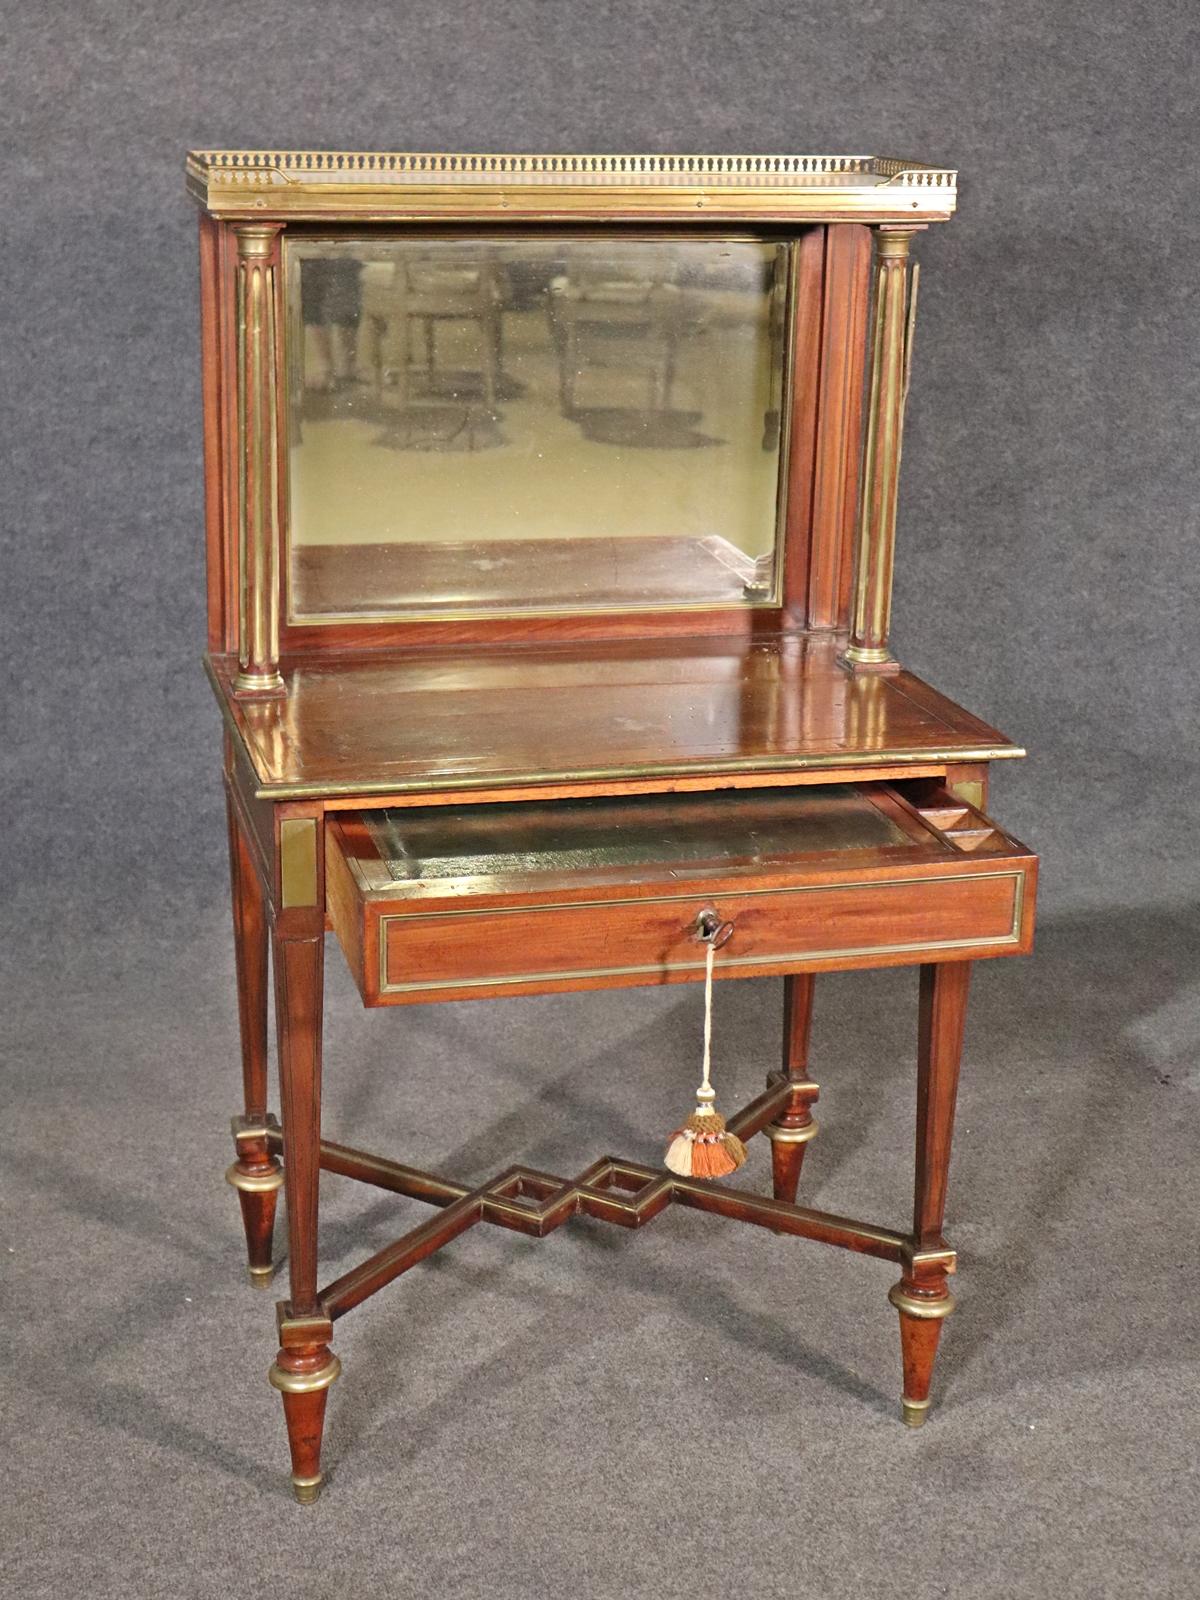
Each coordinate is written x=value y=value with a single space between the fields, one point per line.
x=259 y=685
x=860 y=658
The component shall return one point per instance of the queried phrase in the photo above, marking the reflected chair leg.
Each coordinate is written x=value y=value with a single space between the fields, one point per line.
x=305 y=1366
x=256 y=1174
x=922 y=1297
x=795 y=1126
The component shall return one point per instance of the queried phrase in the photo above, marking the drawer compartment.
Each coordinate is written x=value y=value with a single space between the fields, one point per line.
x=439 y=903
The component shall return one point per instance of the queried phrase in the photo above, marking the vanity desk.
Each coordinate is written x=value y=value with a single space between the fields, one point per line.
x=551 y=508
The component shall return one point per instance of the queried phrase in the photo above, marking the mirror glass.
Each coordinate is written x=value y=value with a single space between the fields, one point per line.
x=521 y=426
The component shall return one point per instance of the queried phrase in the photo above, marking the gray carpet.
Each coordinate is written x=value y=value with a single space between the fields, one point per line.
x=698 y=1408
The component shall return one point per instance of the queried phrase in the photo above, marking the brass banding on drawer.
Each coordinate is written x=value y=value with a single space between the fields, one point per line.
x=505 y=900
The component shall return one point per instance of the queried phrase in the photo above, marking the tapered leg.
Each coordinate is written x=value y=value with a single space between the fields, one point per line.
x=922 y=1297
x=794 y=1127
x=256 y=1174
x=305 y=1365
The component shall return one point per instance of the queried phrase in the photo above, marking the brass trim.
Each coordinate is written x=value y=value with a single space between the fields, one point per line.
x=892 y=328
x=914 y=1260
x=306 y=1490
x=254 y=1183
x=802 y=1135
x=261 y=1277
x=257 y=464
x=464 y=783
x=304 y=1382
x=912 y=1306
x=254 y=1128
x=781 y=958
x=297 y=862
x=414 y=184
x=914 y=1412
x=796 y=1085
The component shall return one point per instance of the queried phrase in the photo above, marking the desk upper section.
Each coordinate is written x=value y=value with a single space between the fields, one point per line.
x=309 y=185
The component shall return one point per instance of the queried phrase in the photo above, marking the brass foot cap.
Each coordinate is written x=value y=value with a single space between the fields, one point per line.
x=306 y=1490
x=261 y=1277
x=914 y=1412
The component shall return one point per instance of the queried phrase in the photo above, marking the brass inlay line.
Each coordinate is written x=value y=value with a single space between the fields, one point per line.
x=450 y=782
x=567 y=974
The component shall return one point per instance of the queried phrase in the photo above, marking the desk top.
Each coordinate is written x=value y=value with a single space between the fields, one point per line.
x=630 y=711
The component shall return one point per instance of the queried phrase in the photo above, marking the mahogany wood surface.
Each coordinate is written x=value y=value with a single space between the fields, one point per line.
x=787 y=1155
x=804 y=368
x=255 y=1166
x=495 y=719
x=299 y=975
x=639 y=573
x=250 y=947
x=931 y=896
x=943 y=1014
x=839 y=441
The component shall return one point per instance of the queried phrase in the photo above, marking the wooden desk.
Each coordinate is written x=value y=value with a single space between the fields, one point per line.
x=416 y=805
x=540 y=715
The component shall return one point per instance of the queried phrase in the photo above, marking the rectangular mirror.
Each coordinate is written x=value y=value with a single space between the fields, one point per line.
x=511 y=426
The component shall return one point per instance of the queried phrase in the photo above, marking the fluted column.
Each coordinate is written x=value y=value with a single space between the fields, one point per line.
x=257 y=459
x=895 y=284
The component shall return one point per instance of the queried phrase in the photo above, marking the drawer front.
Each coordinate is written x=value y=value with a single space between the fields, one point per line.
x=939 y=914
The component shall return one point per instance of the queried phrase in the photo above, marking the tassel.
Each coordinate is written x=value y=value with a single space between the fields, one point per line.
x=703 y=1147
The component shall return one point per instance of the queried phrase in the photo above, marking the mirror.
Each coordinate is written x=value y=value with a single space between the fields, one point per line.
x=519 y=426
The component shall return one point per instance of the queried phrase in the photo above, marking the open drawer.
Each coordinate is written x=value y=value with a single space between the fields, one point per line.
x=453 y=903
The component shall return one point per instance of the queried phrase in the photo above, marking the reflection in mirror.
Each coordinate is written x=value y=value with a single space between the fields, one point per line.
x=517 y=426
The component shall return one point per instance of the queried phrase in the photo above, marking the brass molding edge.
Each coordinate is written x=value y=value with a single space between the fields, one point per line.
x=304 y=1382
x=962 y=754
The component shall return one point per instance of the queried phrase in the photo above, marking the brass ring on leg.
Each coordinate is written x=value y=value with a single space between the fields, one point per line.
x=254 y=1182
x=802 y=1135
x=917 y=1306
x=304 y=1382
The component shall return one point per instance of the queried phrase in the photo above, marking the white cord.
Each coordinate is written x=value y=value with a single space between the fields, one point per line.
x=705 y=1091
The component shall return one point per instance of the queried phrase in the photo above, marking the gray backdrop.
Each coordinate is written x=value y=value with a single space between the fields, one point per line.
x=688 y=1408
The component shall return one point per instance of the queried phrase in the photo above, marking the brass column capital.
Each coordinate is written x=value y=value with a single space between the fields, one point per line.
x=256 y=239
